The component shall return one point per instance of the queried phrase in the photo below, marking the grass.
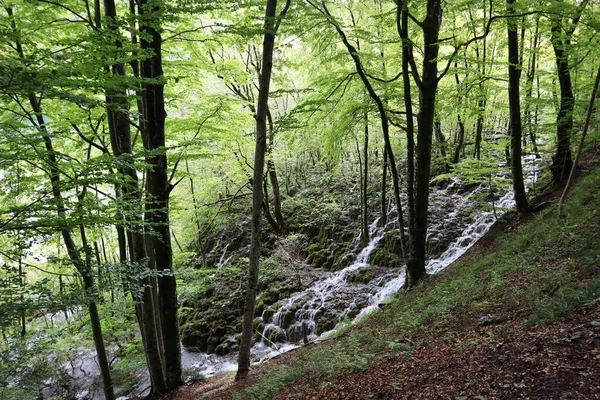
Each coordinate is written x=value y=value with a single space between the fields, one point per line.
x=538 y=271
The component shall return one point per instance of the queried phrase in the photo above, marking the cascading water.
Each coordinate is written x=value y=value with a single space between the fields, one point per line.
x=223 y=261
x=298 y=316
x=334 y=298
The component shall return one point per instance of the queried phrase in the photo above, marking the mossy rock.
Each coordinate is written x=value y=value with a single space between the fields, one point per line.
x=392 y=241
x=325 y=234
x=319 y=259
x=326 y=322
x=276 y=336
x=259 y=308
x=340 y=254
x=212 y=343
x=361 y=275
x=268 y=314
x=376 y=256
x=258 y=324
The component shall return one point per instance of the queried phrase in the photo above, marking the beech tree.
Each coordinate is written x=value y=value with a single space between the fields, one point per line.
x=564 y=20
x=514 y=99
x=271 y=25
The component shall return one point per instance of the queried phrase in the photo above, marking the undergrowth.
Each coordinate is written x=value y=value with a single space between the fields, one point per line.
x=540 y=270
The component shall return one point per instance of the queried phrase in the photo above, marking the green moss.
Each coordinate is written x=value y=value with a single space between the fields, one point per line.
x=542 y=270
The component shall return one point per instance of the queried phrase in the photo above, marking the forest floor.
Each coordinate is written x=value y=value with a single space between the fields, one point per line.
x=517 y=317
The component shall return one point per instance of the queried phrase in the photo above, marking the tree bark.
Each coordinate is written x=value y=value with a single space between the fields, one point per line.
x=120 y=137
x=460 y=141
x=72 y=251
x=270 y=27
x=514 y=74
x=562 y=32
x=384 y=188
x=365 y=185
x=157 y=187
x=586 y=125
x=427 y=94
x=402 y=28
x=529 y=85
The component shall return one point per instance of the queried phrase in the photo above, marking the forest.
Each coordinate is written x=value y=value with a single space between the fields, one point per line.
x=189 y=188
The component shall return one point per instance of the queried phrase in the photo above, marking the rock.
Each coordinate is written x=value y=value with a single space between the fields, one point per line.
x=361 y=275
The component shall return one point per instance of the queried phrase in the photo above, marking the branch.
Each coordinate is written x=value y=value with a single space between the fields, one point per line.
x=482 y=36
x=21 y=211
x=12 y=258
x=89 y=141
x=82 y=18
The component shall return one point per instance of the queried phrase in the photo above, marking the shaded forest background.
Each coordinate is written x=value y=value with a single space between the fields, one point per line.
x=142 y=139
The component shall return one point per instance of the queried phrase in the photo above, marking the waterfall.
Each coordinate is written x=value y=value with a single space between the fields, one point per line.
x=299 y=315
x=223 y=261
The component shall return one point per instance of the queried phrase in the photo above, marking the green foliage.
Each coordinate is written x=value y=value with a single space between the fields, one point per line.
x=531 y=273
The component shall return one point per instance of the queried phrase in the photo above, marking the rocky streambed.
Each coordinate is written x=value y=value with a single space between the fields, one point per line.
x=332 y=279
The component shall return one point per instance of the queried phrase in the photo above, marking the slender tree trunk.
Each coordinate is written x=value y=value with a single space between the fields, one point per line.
x=72 y=251
x=84 y=270
x=22 y=288
x=479 y=129
x=562 y=32
x=586 y=125
x=441 y=139
x=515 y=111
x=384 y=188
x=270 y=27
x=460 y=141
x=272 y=171
x=157 y=186
x=427 y=94
x=269 y=217
x=365 y=185
x=529 y=85
x=402 y=28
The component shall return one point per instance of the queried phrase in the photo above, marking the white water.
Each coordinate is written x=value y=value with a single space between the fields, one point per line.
x=223 y=261
x=318 y=297
x=307 y=305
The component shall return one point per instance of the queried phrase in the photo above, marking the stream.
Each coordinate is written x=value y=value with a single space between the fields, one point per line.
x=321 y=308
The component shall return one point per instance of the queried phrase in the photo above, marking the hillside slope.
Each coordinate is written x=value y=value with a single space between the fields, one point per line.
x=516 y=317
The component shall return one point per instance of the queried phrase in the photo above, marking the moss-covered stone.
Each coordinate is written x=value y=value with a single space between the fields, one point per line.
x=361 y=275
x=258 y=324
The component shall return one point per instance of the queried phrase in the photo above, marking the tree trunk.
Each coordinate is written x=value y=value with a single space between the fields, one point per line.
x=479 y=129
x=54 y=174
x=515 y=111
x=562 y=160
x=385 y=126
x=529 y=85
x=157 y=186
x=384 y=188
x=441 y=139
x=402 y=28
x=84 y=270
x=365 y=185
x=120 y=135
x=269 y=217
x=460 y=141
x=427 y=94
x=270 y=27
x=22 y=289
x=562 y=32
x=272 y=171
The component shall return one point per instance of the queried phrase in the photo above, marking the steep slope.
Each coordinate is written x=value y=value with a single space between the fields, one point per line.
x=516 y=317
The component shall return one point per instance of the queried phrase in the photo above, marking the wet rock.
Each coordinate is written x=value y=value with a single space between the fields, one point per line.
x=361 y=275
